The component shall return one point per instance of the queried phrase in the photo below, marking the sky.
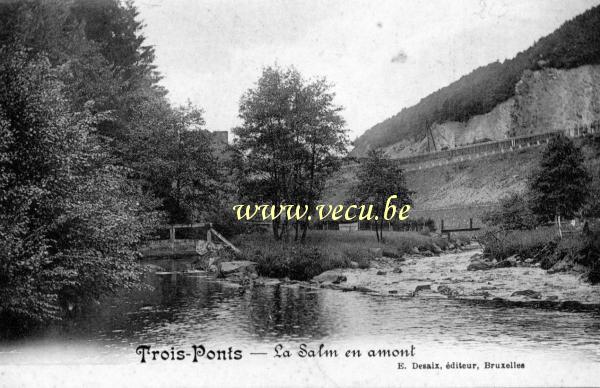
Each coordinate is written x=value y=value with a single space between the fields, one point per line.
x=380 y=55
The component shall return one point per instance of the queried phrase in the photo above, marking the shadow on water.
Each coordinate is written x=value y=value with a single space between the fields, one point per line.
x=181 y=310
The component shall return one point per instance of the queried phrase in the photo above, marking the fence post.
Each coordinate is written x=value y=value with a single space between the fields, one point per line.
x=172 y=236
x=470 y=223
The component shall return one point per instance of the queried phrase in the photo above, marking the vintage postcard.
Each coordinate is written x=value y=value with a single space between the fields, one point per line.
x=299 y=193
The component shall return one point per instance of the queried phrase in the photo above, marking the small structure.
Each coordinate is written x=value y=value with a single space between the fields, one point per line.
x=197 y=237
x=353 y=227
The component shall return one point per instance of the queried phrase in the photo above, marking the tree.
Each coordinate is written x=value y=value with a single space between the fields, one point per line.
x=513 y=213
x=171 y=155
x=379 y=178
x=97 y=50
x=291 y=140
x=559 y=186
x=70 y=223
x=90 y=151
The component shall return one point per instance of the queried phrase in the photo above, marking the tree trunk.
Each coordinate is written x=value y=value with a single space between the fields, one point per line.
x=304 y=229
x=284 y=228
x=560 y=235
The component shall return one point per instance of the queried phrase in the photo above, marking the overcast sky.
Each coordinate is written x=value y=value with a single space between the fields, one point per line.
x=380 y=55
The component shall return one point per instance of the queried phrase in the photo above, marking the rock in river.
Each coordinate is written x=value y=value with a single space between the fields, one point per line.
x=436 y=249
x=230 y=267
x=528 y=294
x=332 y=276
x=504 y=264
x=421 y=288
x=445 y=290
x=479 y=266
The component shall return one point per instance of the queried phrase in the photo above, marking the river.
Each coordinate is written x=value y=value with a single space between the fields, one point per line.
x=181 y=310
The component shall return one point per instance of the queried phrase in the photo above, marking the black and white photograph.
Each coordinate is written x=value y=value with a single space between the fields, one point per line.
x=299 y=193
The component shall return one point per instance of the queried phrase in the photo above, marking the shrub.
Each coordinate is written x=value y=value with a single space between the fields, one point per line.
x=512 y=213
x=324 y=250
x=296 y=262
x=500 y=244
x=589 y=255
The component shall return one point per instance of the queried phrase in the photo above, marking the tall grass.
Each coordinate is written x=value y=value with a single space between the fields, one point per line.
x=325 y=250
x=501 y=244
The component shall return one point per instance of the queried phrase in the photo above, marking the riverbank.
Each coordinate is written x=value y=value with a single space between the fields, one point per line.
x=448 y=276
x=460 y=273
x=327 y=250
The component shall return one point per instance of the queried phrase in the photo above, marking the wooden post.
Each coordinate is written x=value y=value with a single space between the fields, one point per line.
x=172 y=236
x=235 y=249
x=470 y=223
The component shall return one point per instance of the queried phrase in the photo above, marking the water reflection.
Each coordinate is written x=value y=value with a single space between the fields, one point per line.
x=183 y=310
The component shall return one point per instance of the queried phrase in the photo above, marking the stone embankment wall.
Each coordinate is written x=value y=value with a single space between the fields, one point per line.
x=441 y=158
x=547 y=100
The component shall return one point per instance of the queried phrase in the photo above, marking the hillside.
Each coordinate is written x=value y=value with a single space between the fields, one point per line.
x=463 y=190
x=468 y=183
x=574 y=44
x=546 y=100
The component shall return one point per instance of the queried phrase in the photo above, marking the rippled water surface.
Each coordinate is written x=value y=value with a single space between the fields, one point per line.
x=183 y=310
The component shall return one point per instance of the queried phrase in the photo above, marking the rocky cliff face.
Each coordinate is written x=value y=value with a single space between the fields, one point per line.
x=545 y=101
x=552 y=100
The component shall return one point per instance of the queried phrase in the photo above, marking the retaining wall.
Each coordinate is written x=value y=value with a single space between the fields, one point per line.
x=476 y=151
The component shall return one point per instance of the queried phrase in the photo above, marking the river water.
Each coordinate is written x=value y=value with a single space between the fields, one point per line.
x=181 y=310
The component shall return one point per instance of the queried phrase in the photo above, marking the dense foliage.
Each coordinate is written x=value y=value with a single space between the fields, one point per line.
x=379 y=178
x=291 y=139
x=574 y=44
x=513 y=213
x=558 y=188
x=92 y=156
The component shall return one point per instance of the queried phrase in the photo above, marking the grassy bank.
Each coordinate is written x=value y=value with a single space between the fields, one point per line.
x=544 y=246
x=325 y=250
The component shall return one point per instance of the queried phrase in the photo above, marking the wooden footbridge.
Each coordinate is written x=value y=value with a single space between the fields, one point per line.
x=194 y=239
x=447 y=231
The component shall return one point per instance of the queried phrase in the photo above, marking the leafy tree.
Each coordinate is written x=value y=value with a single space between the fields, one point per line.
x=591 y=144
x=70 y=223
x=291 y=140
x=513 y=213
x=559 y=186
x=171 y=153
x=98 y=52
x=87 y=144
x=379 y=178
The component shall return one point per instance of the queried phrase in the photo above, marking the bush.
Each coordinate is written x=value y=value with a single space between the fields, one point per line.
x=589 y=255
x=296 y=262
x=500 y=244
x=512 y=213
x=325 y=250
x=543 y=245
